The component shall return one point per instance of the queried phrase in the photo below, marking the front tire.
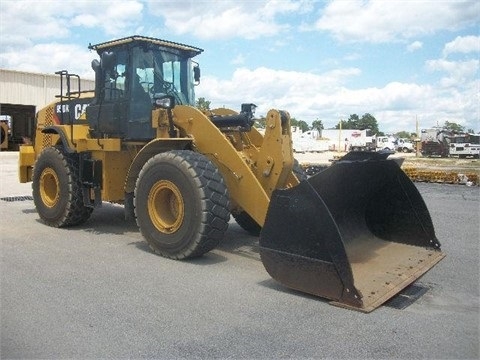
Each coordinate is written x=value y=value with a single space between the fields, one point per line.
x=181 y=204
x=57 y=190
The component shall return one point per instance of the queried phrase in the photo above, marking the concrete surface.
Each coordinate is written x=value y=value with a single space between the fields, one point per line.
x=96 y=291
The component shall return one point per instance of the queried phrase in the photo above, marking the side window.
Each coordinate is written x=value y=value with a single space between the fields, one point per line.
x=172 y=78
x=143 y=74
x=115 y=78
x=145 y=79
x=171 y=73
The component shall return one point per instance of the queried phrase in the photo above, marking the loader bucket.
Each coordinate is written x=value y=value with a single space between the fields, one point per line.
x=356 y=233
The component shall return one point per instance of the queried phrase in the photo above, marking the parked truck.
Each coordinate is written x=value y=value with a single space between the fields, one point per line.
x=464 y=145
x=435 y=142
x=385 y=143
x=404 y=145
x=349 y=139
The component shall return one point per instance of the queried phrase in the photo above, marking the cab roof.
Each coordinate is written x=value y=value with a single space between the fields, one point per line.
x=191 y=50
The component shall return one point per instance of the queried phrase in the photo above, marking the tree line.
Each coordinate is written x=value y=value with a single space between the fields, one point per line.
x=354 y=122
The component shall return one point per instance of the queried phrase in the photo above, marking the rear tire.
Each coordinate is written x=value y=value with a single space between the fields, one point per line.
x=247 y=223
x=181 y=204
x=57 y=190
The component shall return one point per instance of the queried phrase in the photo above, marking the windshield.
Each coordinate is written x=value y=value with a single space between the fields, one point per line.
x=163 y=71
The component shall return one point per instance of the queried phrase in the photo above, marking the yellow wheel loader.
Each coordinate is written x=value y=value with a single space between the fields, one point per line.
x=356 y=233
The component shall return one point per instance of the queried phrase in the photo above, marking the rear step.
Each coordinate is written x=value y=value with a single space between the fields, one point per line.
x=356 y=233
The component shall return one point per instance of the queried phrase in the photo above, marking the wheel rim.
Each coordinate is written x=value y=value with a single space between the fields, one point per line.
x=166 y=207
x=49 y=187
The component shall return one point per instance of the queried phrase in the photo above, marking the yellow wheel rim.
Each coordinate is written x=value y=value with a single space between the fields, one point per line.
x=165 y=206
x=49 y=187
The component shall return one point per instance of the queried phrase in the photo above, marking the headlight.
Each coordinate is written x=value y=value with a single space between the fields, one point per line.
x=164 y=101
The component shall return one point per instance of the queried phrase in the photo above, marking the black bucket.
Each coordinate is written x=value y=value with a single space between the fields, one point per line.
x=356 y=233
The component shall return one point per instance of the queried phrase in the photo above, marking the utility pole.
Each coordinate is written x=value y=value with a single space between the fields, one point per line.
x=417 y=143
x=339 y=135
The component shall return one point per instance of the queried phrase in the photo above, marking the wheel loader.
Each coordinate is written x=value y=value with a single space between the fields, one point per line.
x=356 y=233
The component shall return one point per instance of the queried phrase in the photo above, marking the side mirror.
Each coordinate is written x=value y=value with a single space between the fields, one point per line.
x=164 y=101
x=196 y=74
x=107 y=60
x=95 y=65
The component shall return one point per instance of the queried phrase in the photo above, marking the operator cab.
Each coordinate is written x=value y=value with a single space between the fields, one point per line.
x=130 y=76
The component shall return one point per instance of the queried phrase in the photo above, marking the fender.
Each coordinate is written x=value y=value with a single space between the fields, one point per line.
x=152 y=148
x=58 y=130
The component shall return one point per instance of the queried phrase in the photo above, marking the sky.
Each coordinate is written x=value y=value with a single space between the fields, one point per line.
x=401 y=61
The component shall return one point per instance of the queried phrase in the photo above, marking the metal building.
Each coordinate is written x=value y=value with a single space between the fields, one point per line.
x=22 y=94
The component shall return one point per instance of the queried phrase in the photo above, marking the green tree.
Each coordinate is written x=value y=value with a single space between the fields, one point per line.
x=317 y=125
x=454 y=127
x=202 y=104
x=300 y=123
x=303 y=125
x=367 y=121
x=403 y=134
x=344 y=125
x=351 y=123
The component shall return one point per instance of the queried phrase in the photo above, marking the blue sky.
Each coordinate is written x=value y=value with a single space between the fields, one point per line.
x=397 y=60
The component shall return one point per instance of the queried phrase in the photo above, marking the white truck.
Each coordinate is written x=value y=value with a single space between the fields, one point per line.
x=404 y=145
x=385 y=143
x=349 y=139
x=308 y=141
x=465 y=145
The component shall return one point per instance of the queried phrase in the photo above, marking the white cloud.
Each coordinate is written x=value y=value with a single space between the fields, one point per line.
x=32 y=32
x=226 y=18
x=416 y=45
x=462 y=44
x=27 y=21
x=48 y=58
x=120 y=15
x=238 y=60
x=380 y=21
x=87 y=20
x=352 y=57
x=31 y=20
x=310 y=96
x=39 y=35
x=271 y=87
x=458 y=72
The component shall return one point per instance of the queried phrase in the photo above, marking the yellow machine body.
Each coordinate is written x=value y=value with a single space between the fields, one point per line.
x=181 y=172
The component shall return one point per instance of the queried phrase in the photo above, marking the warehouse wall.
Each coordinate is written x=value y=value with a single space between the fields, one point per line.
x=22 y=94
x=24 y=88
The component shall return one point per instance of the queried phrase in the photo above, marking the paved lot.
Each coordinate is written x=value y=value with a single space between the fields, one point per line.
x=96 y=291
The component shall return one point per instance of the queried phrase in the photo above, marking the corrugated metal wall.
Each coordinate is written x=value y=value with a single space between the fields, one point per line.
x=24 y=88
